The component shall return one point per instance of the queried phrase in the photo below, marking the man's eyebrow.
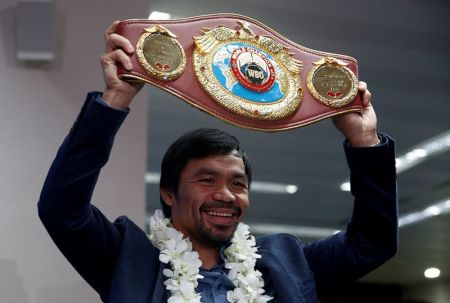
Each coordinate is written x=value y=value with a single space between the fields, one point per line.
x=211 y=172
x=205 y=171
x=240 y=175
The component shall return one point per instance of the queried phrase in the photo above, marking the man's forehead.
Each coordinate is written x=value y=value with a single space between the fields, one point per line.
x=231 y=161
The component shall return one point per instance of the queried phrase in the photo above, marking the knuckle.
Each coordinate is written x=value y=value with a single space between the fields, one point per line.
x=118 y=53
x=104 y=58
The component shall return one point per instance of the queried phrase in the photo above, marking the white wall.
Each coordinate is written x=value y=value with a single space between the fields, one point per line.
x=38 y=104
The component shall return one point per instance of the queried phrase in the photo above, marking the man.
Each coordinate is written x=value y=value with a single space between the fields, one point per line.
x=205 y=180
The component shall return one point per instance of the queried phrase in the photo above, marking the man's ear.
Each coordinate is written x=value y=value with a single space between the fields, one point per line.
x=168 y=196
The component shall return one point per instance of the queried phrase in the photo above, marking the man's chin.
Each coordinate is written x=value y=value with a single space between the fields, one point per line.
x=217 y=237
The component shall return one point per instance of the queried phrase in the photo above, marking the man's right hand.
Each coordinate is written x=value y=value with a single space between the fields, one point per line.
x=118 y=93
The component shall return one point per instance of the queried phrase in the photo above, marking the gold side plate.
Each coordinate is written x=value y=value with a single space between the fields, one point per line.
x=160 y=54
x=332 y=83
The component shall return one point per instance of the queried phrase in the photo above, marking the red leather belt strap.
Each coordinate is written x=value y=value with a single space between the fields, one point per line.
x=188 y=87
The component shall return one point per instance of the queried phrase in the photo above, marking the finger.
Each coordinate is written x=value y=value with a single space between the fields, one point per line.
x=367 y=97
x=117 y=56
x=116 y=41
x=111 y=29
x=362 y=86
x=365 y=94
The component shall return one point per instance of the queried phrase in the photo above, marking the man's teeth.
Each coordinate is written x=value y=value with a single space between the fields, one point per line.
x=213 y=213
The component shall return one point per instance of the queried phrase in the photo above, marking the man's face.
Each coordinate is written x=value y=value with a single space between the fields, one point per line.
x=212 y=197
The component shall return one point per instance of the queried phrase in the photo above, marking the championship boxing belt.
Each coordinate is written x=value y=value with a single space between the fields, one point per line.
x=241 y=71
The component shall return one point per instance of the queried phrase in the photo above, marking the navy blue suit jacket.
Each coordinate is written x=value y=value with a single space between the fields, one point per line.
x=119 y=262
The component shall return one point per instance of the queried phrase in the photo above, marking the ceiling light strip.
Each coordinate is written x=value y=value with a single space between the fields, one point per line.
x=430 y=148
x=421 y=152
x=257 y=186
x=273 y=188
x=152 y=178
x=295 y=230
x=156 y=15
x=439 y=208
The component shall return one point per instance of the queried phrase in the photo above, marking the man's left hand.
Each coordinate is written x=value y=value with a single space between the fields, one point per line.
x=360 y=129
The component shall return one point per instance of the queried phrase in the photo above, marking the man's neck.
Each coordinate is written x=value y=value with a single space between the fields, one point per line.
x=209 y=256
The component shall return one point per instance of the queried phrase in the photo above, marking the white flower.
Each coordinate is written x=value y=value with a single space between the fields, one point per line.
x=182 y=278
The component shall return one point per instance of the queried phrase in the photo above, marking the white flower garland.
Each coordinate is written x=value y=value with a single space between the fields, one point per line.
x=185 y=264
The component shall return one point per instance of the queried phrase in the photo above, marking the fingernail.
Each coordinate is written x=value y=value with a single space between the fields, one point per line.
x=129 y=66
x=130 y=48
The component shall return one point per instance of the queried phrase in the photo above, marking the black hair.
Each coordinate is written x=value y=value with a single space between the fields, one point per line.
x=194 y=145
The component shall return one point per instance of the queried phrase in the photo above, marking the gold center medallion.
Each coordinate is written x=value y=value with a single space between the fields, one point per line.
x=160 y=54
x=253 y=76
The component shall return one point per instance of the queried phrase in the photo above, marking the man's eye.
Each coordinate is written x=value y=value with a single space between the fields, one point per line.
x=240 y=184
x=207 y=180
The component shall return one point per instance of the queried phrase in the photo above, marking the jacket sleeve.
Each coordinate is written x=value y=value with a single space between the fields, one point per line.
x=83 y=234
x=371 y=237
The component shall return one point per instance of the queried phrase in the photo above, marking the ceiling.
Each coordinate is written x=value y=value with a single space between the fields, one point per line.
x=403 y=52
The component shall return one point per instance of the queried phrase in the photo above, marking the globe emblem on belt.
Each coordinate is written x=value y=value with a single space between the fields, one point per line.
x=252 y=69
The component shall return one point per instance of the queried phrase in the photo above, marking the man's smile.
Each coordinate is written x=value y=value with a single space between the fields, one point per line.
x=221 y=216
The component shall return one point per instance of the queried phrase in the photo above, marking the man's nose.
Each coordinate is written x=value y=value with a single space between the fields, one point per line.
x=224 y=194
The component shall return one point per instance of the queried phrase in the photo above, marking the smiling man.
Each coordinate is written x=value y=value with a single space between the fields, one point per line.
x=205 y=179
x=198 y=250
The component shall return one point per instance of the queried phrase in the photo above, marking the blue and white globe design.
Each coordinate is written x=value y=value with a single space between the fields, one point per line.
x=222 y=71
